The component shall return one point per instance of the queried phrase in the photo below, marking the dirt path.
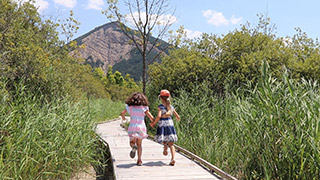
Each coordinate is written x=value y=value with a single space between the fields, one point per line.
x=85 y=174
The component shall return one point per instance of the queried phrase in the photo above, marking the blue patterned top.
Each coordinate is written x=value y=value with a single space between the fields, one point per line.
x=165 y=130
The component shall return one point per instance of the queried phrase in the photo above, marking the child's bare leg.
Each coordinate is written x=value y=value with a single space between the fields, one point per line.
x=139 y=145
x=132 y=142
x=173 y=153
x=165 y=148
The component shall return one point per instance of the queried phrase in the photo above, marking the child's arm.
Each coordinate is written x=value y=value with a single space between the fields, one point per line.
x=149 y=115
x=123 y=114
x=177 y=115
x=157 y=119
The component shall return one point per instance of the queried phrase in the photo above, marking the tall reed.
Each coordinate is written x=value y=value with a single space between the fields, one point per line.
x=267 y=131
x=105 y=109
x=44 y=140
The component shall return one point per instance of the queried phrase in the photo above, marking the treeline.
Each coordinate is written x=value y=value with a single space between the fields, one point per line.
x=32 y=54
x=231 y=60
x=118 y=87
x=48 y=105
x=248 y=100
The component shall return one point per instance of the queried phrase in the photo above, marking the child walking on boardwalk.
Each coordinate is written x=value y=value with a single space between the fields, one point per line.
x=166 y=132
x=137 y=105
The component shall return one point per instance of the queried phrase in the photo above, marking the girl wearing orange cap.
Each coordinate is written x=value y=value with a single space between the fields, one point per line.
x=166 y=132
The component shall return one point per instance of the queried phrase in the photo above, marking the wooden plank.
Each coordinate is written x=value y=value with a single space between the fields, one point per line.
x=155 y=165
x=205 y=163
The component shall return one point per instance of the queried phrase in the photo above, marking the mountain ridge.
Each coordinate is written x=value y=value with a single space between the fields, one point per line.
x=107 y=45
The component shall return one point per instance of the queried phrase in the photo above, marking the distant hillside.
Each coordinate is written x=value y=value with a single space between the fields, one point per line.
x=108 y=45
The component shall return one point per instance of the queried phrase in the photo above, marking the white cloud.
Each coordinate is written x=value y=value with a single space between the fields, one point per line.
x=234 y=20
x=162 y=19
x=218 y=19
x=40 y=4
x=215 y=18
x=287 y=41
x=192 y=34
x=66 y=3
x=95 y=4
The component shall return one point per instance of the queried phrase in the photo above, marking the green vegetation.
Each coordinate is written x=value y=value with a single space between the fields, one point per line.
x=32 y=54
x=268 y=131
x=105 y=109
x=116 y=85
x=49 y=100
x=253 y=124
x=48 y=140
x=235 y=58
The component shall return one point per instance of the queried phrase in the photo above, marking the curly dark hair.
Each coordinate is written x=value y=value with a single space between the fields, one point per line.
x=137 y=99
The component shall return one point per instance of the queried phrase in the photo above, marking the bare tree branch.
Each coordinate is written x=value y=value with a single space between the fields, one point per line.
x=151 y=17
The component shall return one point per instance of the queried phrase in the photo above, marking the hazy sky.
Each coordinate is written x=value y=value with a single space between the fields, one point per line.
x=209 y=16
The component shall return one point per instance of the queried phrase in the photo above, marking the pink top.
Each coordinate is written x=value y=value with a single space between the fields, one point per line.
x=137 y=127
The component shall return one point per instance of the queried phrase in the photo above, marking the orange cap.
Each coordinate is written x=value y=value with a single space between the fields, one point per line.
x=164 y=92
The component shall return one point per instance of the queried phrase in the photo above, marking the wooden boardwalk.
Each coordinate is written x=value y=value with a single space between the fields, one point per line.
x=155 y=165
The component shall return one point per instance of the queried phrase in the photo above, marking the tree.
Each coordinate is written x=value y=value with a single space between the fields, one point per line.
x=98 y=72
x=182 y=69
x=146 y=16
x=305 y=56
x=227 y=62
x=32 y=54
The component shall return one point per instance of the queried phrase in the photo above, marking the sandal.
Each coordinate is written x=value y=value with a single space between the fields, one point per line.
x=172 y=162
x=133 y=151
x=139 y=163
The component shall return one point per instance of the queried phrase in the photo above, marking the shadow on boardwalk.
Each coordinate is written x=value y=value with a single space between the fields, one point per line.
x=150 y=164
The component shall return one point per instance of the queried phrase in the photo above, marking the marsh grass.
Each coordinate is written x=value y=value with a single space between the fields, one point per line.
x=267 y=131
x=45 y=140
x=105 y=109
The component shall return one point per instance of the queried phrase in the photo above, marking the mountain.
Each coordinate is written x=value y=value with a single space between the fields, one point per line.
x=108 y=45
